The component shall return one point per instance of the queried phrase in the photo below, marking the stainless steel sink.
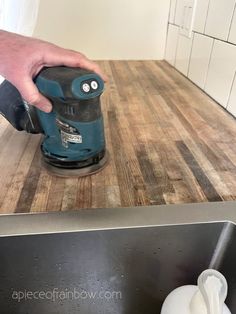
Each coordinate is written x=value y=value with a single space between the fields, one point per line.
x=112 y=260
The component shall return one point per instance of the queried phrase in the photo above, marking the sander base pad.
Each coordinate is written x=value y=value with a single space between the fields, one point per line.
x=80 y=172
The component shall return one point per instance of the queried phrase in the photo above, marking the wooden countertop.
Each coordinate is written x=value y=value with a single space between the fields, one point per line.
x=168 y=143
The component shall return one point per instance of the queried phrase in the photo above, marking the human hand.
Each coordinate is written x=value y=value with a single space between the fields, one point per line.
x=22 y=58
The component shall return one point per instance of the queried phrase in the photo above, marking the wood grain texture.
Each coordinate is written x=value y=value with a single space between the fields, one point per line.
x=168 y=143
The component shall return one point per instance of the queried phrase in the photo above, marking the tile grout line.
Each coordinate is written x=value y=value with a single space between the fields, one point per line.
x=206 y=35
x=208 y=66
x=231 y=89
x=167 y=29
x=169 y=11
x=208 y=8
x=190 y=56
x=231 y=22
x=176 y=49
x=175 y=9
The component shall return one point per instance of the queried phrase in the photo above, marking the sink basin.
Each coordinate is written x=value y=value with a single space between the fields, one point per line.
x=112 y=260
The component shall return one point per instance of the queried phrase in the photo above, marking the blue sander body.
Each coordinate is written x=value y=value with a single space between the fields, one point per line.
x=74 y=140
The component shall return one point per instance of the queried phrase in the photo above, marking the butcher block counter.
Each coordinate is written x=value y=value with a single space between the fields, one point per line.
x=168 y=142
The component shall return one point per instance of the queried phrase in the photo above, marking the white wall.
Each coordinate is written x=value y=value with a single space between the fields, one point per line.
x=18 y=16
x=208 y=58
x=106 y=29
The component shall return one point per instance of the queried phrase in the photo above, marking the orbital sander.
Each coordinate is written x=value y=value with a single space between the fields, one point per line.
x=74 y=141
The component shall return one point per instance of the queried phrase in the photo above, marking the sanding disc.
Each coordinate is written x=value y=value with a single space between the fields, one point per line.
x=81 y=172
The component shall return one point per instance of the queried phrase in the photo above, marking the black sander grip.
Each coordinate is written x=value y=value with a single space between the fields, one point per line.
x=11 y=105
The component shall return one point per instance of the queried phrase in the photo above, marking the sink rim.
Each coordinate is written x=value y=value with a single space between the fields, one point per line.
x=116 y=218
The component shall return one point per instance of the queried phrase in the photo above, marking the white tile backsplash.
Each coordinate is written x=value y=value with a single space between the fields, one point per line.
x=179 y=12
x=209 y=57
x=172 y=11
x=171 y=43
x=183 y=54
x=186 y=27
x=221 y=71
x=200 y=58
x=232 y=100
x=219 y=18
x=201 y=15
x=232 y=34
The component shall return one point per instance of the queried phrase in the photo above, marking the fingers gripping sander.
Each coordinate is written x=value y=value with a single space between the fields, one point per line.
x=74 y=141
